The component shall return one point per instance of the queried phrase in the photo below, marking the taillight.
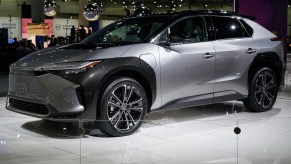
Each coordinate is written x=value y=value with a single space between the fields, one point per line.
x=278 y=39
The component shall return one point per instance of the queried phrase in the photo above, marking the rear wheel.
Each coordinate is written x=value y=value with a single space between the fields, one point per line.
x=122 y=108
x=263 y=91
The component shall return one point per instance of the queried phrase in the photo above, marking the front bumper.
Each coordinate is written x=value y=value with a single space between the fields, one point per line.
x=44 y=96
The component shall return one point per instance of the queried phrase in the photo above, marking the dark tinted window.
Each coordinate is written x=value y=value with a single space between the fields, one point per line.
x=228 y=27
x=247 y=27
x=131 y=30
x=190 y=30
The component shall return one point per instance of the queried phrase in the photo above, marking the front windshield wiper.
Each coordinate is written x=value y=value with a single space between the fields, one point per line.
x=101 y=45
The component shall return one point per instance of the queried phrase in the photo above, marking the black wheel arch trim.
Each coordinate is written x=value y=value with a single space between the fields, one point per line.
x=94 y=80
x=270 y=60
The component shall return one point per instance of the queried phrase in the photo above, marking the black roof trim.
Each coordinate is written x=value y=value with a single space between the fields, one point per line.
x=205 y=12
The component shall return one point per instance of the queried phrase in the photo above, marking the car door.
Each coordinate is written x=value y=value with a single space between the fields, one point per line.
x=187 y=64
x=235 y=49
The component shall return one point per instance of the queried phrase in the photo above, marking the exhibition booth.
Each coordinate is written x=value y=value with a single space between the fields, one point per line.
x=45 y=117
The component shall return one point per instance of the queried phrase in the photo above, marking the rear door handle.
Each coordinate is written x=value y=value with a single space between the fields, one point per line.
x=208 y=55
x=250 y=51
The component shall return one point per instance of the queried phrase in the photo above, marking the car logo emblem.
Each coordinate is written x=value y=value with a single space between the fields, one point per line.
x=21 y=86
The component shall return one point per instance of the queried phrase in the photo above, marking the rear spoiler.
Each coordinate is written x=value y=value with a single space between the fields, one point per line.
x=248 y=17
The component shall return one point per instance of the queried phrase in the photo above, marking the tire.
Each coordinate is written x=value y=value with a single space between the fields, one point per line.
x=122 y=107
x=263 y=91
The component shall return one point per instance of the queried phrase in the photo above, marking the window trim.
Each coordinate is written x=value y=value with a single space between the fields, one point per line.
x=241 y=20
x=210 y=28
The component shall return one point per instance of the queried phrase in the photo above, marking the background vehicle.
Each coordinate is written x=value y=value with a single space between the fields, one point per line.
x=140 y=64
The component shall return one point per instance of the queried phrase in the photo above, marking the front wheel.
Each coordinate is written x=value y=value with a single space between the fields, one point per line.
x=123 y=107
x=263 y=91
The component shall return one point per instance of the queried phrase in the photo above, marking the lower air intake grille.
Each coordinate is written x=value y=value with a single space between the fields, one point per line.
x=28 y=106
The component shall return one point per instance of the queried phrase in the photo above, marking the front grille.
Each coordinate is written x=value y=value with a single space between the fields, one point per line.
x=28 y=106
x=27 y=72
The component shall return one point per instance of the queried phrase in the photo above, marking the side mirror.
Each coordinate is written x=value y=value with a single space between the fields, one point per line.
x=165 y=43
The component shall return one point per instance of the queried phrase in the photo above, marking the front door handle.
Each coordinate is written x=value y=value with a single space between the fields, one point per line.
x=208 y=55
x=250 y=51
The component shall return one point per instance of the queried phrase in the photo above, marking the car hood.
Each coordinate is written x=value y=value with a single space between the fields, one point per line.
x=70 y=53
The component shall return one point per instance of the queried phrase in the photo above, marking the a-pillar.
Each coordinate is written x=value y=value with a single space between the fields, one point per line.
x=37 y=11
x=82 y=20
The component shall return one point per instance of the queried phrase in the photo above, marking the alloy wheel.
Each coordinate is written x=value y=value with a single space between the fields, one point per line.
x=125 y=107
x=265 y=90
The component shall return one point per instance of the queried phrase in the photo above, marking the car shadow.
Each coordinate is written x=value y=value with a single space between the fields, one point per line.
x=4 y=84
x=54 y=129
x=233 y=110
x=70 y=129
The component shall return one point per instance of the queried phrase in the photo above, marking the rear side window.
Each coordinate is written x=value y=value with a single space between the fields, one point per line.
x=247 y=27
x=228 y=27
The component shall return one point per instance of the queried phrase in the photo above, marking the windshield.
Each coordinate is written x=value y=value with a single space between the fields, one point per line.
x=132 y=30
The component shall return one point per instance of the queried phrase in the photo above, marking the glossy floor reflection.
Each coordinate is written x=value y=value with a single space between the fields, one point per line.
x=193 y=135
x=203 y=134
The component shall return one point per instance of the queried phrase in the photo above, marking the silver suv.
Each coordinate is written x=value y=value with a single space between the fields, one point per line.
x=145 y=63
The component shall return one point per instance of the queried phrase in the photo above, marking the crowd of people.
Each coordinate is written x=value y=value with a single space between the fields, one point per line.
x=10 y=53
x=79 y=34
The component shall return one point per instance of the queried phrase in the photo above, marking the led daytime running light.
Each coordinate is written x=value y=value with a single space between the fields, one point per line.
x=69 y=68
x=91 y=64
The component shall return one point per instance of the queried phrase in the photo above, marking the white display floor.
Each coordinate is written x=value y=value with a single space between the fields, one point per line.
x=202 y=134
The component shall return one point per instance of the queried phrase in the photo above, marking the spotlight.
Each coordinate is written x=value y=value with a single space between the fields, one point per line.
x=138 y=9
x=92 y=12
x=50 y=8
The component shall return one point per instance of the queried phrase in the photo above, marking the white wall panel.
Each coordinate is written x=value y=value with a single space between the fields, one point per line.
x=103 y=23
x=14 y=26
x=61 y=25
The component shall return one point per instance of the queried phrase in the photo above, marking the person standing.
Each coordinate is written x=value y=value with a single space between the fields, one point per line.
x=16 y=43
x=23 y=50
x=72 y=34
x=31 y=45
x=89 y=31
x=82 y=33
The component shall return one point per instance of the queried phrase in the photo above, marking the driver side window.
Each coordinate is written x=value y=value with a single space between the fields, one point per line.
x=126 y=33
x=190 y=30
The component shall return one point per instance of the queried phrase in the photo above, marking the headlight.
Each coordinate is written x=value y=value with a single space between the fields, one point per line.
x=71 y=68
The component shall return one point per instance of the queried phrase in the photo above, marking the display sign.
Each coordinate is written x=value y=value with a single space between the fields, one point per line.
x=13 y=24
x=27 y=28
x=62 y=27
x=42 y=29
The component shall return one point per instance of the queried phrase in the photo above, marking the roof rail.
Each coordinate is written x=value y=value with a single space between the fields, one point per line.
x=212 y=11
x=206 y=12
x=220 y=12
